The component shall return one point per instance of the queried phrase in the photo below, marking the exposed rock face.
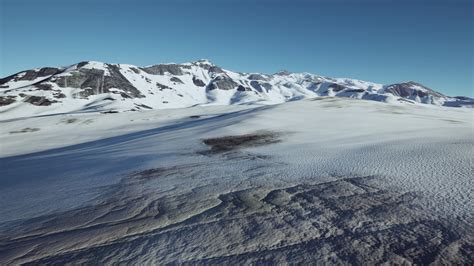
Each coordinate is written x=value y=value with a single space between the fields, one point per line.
x=215 y=70
x=39 y=101
x=176 y=80
x=256 y=77
x=118 y=81
x=163 y=87
x=267 y=86
x=6 y=100
x=336 y=87
x=242 y=88
x=44 y=86
x=32 y=74
x=461 y=101
x=43 y=72
x=83 y=63
x=59 y=95
x=4 y=80
x=198 y=82
x=136 y=70
x=256 y=85
x=354 y=90
x=409 y=89
x=84 y=78
x=173 y=69
x=222 y=83
x=94 y=81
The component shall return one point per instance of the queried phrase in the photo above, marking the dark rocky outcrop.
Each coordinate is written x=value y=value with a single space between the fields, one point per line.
x=256 y=85
x=143 y=106
x=176 y=80
x=242 y=88
x=222 y=83
x=203 y=63
x=6 y=100
x=354 y=90
x=460 y=102
x=32 y=74
x=463 y=98
x=135 y=70
x=198 y=82
x=81 y=64
x=215 y=69
x=83 y=78
x=59 y=95
x=39 y=100
x=288 y=85
x=94 y=81
x=118 y=81
x=408 y=89
x=257 y=77
x=267 y=86
x=260 y=86
x=124 y=95
x=336 y=87
x=7 y=79
x=173 y=69
x=163 y=87
x=313 y=86
x=44 y=86
x=42 y=72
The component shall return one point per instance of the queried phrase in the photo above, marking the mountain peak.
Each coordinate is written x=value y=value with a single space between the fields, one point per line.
x=90 y=63
x=204 y=62
x=283 y=73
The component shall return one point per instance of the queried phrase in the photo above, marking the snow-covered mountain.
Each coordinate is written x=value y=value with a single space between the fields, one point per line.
x=96 y=86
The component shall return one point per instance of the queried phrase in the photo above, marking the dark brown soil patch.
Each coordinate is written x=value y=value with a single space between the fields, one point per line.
x=25 y=130
x=229 y=143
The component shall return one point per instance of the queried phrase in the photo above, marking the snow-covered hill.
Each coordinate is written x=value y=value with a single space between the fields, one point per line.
x=102 y=87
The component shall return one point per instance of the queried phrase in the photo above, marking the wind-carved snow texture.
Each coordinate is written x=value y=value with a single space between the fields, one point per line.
x=329 y=180
x=347 y=219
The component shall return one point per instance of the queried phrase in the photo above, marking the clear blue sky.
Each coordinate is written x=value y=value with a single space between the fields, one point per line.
x=429 y=41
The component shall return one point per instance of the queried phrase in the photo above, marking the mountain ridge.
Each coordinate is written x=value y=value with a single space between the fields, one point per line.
x=97 y=86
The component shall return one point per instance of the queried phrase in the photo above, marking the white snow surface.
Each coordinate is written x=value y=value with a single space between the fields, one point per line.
x=58 y=162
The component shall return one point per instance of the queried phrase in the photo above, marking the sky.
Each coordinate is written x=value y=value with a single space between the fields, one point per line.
x=385 y=41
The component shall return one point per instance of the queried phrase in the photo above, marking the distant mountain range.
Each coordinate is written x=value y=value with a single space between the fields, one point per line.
x=103 y=87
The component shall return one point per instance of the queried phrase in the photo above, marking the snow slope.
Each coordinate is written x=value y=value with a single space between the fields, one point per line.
x=97 y=87
x=332 y=179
